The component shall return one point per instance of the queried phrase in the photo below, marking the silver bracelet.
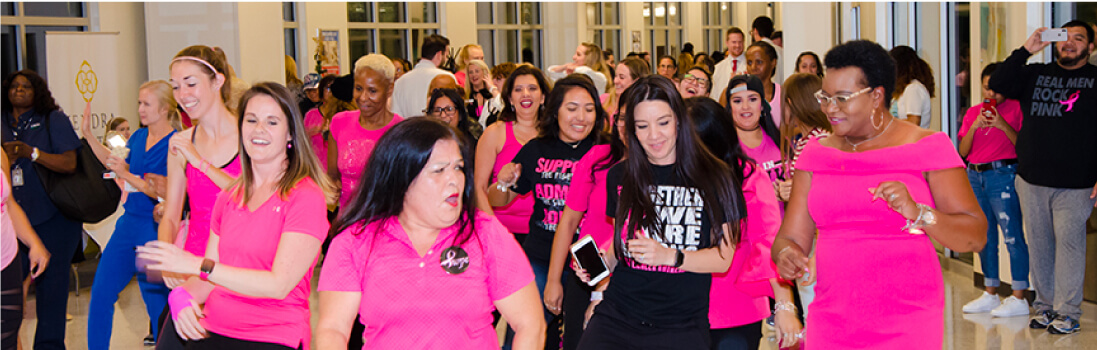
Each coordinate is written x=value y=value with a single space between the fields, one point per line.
x=784 y=306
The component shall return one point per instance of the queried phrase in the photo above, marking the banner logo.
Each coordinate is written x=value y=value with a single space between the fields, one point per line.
x=86 y=82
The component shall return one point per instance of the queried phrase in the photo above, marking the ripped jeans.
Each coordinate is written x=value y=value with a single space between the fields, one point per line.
x=998 y=198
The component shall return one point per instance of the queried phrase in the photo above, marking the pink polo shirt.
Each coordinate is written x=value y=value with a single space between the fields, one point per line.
x=250 y=240
x=355 y=144
x=409 y=301
x=991 y=144
x=589 y=192
x=739 y=296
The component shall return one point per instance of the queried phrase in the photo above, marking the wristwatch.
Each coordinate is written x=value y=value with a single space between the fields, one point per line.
x=34 y=155
x=679 y=258
x=206 y=269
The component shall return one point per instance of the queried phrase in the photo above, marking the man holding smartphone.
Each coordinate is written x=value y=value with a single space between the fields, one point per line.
x=1057 y=165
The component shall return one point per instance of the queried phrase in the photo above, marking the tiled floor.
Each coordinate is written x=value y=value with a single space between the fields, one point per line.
x=961 y=331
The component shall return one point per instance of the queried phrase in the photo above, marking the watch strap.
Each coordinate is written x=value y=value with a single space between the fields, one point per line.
x=206 y=269
x=679 y=258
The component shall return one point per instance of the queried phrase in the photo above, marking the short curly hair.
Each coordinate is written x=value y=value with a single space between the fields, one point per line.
x=875 y=63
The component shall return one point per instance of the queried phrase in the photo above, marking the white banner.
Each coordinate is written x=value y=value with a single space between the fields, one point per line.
x=83 y=67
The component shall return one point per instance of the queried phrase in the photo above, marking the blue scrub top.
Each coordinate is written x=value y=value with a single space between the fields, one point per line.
x=142 y=162
x=31 y=129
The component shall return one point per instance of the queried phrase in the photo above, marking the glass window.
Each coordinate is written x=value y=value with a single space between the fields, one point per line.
x=531 y=39
x=531 y=13
x=289 y=12
x=8 y=8
x=483 y=14
x=53 y=9
x=420 y=12
x=508 y=46
x=417 y=36
x=673 y=16
x=508 y=12
x=486 y=40
x=36 y=46
x=359 y=12
x=390 y=12
x=610 y=12
x=393 y=42
x=360 y=42
x=291 y=42
x=9 y=49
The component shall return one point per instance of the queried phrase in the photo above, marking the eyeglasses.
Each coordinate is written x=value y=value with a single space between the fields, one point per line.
x=840 y=100
x=694 y=79
x=447 y=110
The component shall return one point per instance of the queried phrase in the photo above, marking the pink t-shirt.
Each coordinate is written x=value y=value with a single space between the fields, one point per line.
x=8 y=244
x=409 y=301
x=991 y=144
x=768 y=157
x=250 y=240
x=355 y=144
x=590 y=192
x=775 y=105
x=314 y=119
x=739 y=296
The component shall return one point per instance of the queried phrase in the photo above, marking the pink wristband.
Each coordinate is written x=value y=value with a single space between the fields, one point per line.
x=178 y=299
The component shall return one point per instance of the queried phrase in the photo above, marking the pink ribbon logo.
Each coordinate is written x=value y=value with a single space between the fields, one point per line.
x=1069 y=102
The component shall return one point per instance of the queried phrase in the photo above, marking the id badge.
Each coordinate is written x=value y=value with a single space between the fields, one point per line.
x=17 y=177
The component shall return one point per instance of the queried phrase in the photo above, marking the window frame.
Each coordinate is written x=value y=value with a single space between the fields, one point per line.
x=596 y=28
x=650 y=27
x=405 y=26
x=498 y=31
x=719 y=28
x=20 y=22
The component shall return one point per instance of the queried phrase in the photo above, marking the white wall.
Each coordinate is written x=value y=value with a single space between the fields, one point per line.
x=128 y=19
x=562 y=33
x=807 y=27
x=261 y=49
x=458 y=22
x=172 y=26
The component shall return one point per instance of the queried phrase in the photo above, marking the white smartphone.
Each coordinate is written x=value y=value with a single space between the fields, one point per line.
x=1054 y=34
x=586 y=255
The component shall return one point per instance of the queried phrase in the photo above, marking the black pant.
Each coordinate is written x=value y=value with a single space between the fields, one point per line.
x=11 y=296
x=220 y=342
x=168 y=338
x=610 y=330
x=576 y=300
x=745 y=337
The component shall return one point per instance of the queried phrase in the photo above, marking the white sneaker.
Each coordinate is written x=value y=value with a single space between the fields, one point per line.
x=1011 y=307
x=985 y=303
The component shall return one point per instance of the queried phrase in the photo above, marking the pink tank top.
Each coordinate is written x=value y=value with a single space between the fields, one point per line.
x=8 y=246
x=515 y=216
x=202 y=194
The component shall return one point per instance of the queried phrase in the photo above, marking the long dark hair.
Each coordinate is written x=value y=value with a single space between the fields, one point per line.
x=766 y=119
x=717 y=131
x=301 y=159
x=43 y=99
x=550 y=119
x=399 y=157
x=694 y=165
x=908 y=67
x=818 y=63
x=508 y=113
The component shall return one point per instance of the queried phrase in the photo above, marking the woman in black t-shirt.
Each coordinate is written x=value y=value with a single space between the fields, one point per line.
x=574 y=122
x=678 y=211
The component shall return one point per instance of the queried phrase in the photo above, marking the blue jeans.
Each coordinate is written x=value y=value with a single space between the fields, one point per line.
x=998 y=198
x=540 y=276
x=116 y=268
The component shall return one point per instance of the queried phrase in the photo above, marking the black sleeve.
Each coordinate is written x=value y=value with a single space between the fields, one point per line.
x=527 y=157
x=1013 y=75
x=613 y=181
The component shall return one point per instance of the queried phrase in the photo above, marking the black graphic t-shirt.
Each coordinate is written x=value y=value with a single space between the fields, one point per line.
x=547 y=165
x=663 y=296
x=1057 y=146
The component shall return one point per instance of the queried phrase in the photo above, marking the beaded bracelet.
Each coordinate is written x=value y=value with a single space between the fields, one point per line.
x=784 y=306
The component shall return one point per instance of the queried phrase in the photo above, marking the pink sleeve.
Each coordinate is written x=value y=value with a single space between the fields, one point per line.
x=218 y=207
x=760 y=229
x=509 y=269
x=340 y=273
x=307 y=211
x=582 y=183
x=969 y=118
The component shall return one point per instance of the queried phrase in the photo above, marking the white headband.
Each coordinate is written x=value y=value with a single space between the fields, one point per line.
x=739 y=88
x=196 y=59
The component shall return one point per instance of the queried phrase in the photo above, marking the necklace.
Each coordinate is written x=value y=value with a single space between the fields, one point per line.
x=572 y=145
x=868 y=139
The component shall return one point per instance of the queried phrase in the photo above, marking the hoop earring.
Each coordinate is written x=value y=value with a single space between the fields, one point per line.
x=872 y=119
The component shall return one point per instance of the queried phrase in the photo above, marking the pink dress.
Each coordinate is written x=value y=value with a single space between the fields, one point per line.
x=201 y=195
x=862 y=249
x=355 y=144
x=314 y=119
x=514 y=216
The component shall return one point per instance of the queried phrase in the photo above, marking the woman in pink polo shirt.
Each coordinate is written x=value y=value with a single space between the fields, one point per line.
x=415 y=259
x=265 y=237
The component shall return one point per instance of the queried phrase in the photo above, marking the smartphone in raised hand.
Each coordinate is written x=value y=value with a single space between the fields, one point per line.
x=1054 y=34
x=586 y=255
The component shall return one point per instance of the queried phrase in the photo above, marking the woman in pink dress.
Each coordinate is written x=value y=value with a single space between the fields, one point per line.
x=877 y=192
x=354 y=133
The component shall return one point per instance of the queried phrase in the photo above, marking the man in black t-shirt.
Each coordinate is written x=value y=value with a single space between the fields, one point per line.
x=1057 y=166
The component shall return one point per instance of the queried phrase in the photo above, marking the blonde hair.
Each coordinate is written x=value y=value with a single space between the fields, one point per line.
x=378 y=63
x=463 y=58
x=162 y=90
x=595 y=61
x=291 y=73
x=468 y=80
